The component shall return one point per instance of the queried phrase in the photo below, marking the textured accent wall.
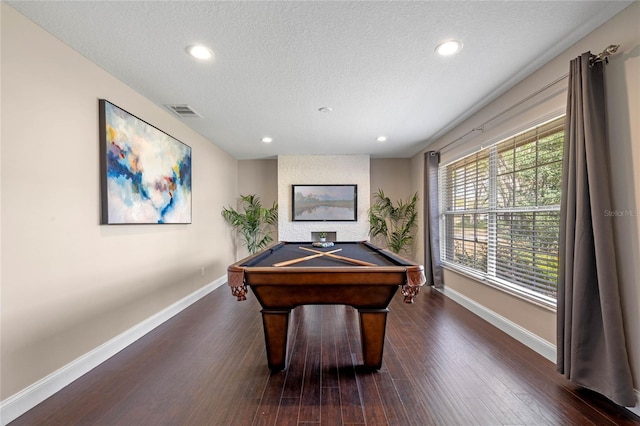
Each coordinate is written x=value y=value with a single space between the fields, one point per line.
x=323 y=169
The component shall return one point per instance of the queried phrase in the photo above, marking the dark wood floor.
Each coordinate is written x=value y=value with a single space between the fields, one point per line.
x=442 y=366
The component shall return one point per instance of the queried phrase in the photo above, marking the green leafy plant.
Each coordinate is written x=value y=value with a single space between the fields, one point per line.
x=395 y=224
x=253 y=223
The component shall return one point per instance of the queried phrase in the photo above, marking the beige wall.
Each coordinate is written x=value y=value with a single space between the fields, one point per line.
x=623 y=102
x=68 y=283
x=260 y=178
x=538 y=320
x=393 y=176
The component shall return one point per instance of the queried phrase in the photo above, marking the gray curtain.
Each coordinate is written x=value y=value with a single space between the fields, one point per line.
x=433 y=266
x=591 y=341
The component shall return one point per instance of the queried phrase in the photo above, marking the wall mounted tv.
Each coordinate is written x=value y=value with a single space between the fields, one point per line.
x=324 y=203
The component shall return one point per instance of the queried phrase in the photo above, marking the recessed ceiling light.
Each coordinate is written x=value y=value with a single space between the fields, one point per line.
x=267 y=139
x=381 y=138
x=325 y=109
x=200 y=52
x=449 y=47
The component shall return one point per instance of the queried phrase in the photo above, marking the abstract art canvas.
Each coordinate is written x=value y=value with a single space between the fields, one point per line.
x=145 y=173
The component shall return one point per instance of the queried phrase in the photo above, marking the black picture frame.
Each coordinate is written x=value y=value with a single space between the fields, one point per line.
x=324 y=203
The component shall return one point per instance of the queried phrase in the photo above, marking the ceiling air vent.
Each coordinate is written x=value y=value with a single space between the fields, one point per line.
x=183 y=111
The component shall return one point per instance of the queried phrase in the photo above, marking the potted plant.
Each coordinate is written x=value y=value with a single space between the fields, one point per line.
x=253 y=222
x=323 y=236
x=395 y=224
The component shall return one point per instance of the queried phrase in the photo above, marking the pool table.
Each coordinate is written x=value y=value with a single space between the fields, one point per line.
x=308 y=278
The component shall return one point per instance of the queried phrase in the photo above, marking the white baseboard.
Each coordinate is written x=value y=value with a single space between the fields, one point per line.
x=636 y=410
x=21 y=402
x=522 y=335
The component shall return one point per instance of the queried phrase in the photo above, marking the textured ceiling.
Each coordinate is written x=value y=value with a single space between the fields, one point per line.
x=276 y=63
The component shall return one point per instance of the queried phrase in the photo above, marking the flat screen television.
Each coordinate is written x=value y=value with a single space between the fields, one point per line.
x=324 y=203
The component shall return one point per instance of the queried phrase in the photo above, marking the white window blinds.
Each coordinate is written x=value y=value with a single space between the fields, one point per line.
x=500 y=211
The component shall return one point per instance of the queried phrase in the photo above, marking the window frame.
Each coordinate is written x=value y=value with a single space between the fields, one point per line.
x=491 y=209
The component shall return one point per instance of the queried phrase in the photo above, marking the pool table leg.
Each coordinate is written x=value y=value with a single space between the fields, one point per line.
x=373 y=324
x=276 y=324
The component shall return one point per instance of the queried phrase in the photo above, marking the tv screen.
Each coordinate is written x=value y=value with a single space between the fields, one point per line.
x=324 y=203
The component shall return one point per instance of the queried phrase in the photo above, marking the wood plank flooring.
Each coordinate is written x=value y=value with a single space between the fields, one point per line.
x=442 y=366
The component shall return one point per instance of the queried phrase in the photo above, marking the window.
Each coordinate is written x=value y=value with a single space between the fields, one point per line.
x=501 y=212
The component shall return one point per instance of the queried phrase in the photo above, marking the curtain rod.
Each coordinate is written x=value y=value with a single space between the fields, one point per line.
x=603 y=56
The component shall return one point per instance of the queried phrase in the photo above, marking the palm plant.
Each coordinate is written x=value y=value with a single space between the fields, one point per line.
x=253 y=223
x=396 y=225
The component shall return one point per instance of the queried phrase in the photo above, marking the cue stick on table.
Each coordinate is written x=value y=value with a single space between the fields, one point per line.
x=335 y=256
x=302 y=259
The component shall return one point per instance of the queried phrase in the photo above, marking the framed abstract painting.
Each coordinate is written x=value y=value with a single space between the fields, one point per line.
x=145 y=173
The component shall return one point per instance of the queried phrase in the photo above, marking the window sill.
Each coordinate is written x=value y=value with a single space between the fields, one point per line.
x=522 y=295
